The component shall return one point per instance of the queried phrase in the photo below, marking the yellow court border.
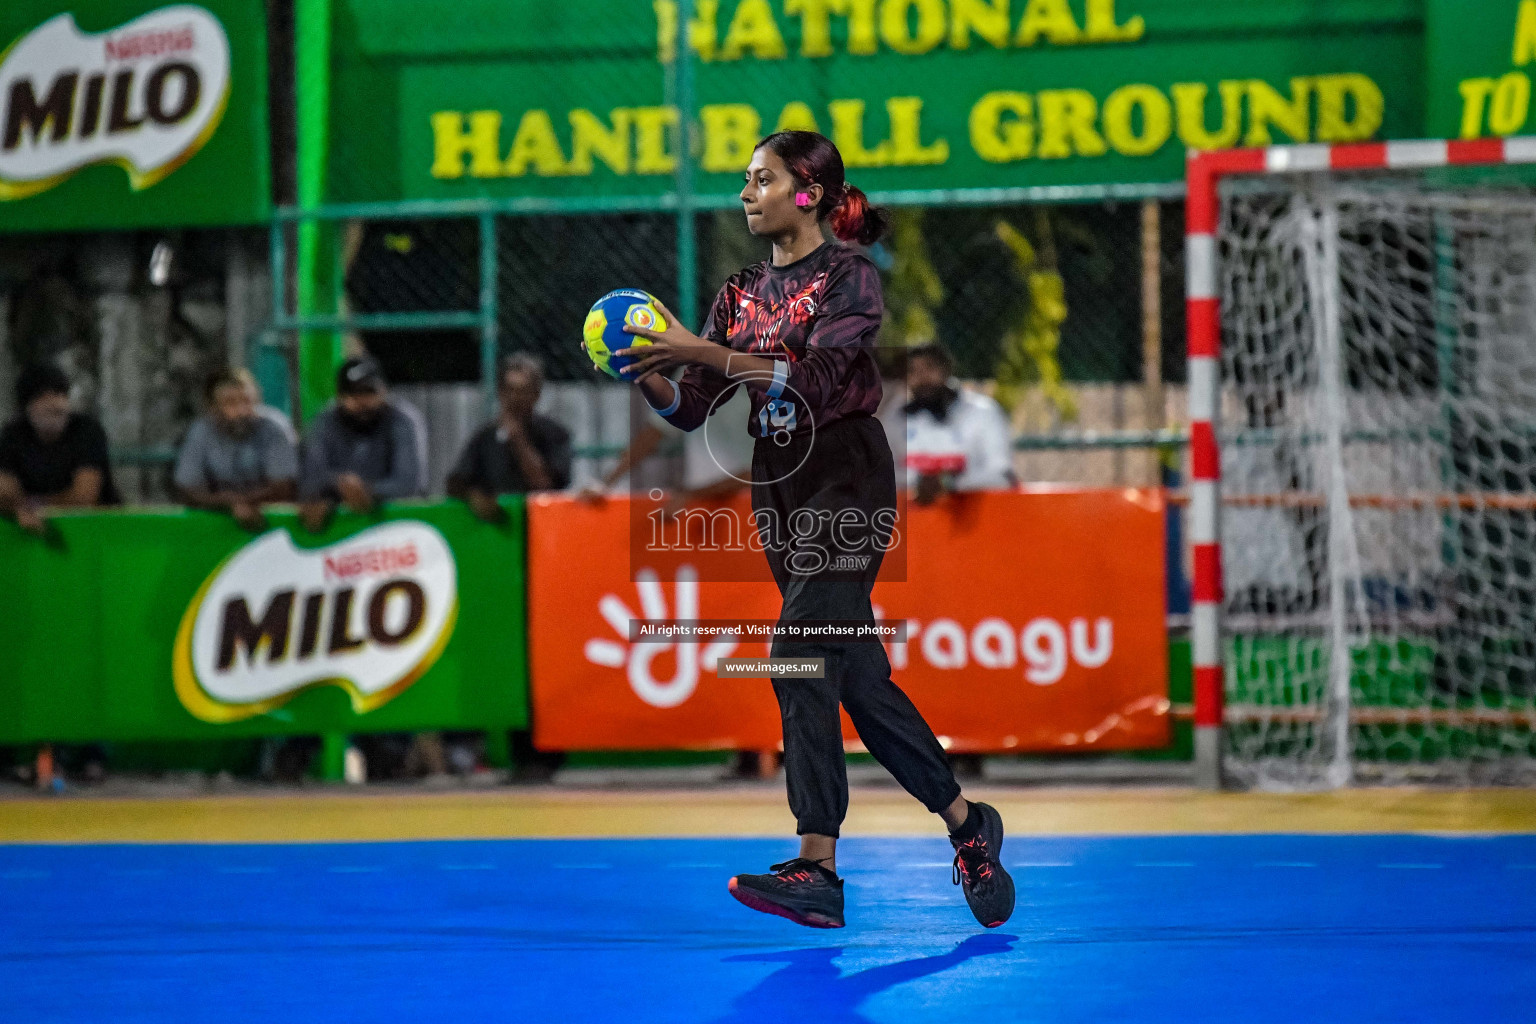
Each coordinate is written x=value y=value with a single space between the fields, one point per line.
x=336 y=814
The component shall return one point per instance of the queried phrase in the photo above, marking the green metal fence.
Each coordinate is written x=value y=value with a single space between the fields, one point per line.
x=438 y=290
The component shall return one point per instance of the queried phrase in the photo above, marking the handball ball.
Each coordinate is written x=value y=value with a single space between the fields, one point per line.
x=603 y=333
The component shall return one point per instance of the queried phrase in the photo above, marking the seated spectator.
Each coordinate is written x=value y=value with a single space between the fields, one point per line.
x=361 y=450
x=235 y=459
x=49 y=455
x=518 y=452
x=957 y=439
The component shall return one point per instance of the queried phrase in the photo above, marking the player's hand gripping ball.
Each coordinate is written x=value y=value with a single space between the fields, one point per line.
x=603 y=333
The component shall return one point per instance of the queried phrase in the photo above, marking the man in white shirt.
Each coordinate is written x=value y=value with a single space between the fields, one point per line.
x=957 y=439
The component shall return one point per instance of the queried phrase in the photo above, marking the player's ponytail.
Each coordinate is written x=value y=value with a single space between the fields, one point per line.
x=854 y=220
x=812 y=159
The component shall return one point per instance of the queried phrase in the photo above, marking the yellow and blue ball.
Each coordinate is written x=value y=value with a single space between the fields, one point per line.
x=603 y=333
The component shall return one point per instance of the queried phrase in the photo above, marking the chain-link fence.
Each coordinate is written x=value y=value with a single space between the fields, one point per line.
x=1069 y=314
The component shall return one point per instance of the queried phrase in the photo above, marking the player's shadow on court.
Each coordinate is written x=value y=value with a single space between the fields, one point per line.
x=811 y=987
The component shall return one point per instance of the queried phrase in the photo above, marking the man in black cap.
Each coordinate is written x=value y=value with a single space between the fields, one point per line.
x=362 y=450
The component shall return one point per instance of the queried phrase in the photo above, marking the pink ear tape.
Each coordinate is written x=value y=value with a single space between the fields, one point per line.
x=802 y=199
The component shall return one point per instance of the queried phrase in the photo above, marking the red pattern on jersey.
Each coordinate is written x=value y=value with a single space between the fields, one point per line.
x=765 y=319
x=831 y=296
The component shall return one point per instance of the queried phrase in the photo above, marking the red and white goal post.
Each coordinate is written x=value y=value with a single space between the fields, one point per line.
x=1361 y=328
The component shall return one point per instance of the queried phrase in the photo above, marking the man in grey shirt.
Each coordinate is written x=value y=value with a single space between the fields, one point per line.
x=234 y=459
x=359 y=451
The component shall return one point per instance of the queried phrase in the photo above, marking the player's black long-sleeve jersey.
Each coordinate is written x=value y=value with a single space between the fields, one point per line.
x=817 y=318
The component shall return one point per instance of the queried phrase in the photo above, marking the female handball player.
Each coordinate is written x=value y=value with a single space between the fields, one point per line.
x=798 y=332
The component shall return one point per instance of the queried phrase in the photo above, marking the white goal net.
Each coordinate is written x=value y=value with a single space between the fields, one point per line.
x=1378 y=454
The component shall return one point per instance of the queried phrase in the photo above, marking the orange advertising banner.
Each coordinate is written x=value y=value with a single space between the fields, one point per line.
x=1035 y=619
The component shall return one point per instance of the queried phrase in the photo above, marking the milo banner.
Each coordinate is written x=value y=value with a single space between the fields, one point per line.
x=124 y=113
x=370 y=613
x=1035 y=621
x=534 y=99
x=179 y=626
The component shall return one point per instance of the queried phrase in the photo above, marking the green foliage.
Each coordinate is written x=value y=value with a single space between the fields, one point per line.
x=914 y=290
x=1030 y=348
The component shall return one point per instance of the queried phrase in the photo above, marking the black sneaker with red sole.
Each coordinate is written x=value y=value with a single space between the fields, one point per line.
x=979 y=870
x=801 y=890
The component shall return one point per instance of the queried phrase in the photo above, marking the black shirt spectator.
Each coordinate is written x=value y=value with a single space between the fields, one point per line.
x=517 y=452
x=488 y=463
x=45 y=469
x=50 y=455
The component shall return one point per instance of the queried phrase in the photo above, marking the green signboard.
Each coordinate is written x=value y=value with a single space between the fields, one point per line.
x=1480 y=59
x=178 y=625
x=129 y=113
x=504 y=99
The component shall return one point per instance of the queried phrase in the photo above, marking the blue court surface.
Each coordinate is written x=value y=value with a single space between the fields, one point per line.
x=1287 y=928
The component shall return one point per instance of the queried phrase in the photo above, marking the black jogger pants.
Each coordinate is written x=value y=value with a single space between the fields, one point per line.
x=806 y=483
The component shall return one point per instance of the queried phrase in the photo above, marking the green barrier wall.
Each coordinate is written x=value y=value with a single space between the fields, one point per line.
x=88 y=620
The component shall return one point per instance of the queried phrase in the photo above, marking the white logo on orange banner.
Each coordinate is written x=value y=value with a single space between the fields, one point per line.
x=636 y=658
x=369 y=614
x=145 y=95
